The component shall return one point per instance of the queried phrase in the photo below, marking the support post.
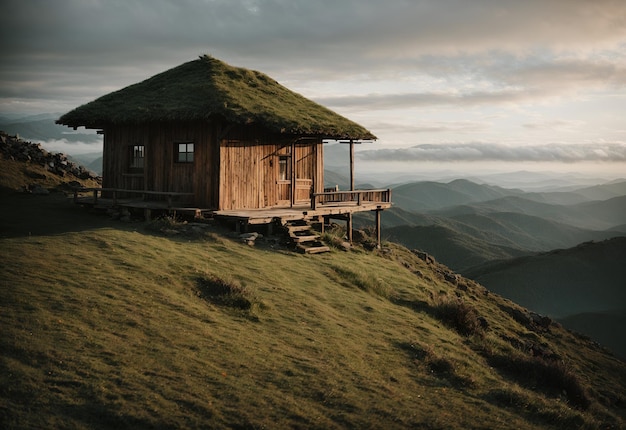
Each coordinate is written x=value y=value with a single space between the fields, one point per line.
x=349 y=227
x=351 y=165
x=378 y=228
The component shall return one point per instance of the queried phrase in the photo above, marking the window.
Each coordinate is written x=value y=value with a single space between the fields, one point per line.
x=137 y=157
x=283 y=168
x=184 y=152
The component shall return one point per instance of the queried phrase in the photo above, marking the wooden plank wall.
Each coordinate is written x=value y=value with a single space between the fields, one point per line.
x=161 y=171
x=233 y=167
x=249 y=177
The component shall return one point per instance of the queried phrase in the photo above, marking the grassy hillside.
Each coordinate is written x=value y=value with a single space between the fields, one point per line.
x=118 y=325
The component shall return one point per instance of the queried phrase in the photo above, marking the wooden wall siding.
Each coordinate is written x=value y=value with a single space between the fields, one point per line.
x=245 y=169
x=249 y=176
x=233 y=167
x=161 y=172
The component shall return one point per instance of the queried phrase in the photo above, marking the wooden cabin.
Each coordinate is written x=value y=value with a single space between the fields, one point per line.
x=228 y=138
x=234 y=138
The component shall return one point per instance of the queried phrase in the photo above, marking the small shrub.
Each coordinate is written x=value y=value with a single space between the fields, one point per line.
x=459 y=315
x=426 y=358
x=552 y=376
x=227 y=293
x=163 y=223
x=332 y=240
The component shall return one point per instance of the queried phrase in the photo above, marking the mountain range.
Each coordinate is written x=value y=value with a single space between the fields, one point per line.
x=474 y=223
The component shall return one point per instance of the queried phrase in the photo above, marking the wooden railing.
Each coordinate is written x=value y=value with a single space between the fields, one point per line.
x=357 y=197
x=114 y=193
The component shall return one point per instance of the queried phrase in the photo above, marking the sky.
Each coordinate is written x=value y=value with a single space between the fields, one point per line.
x=457 y=85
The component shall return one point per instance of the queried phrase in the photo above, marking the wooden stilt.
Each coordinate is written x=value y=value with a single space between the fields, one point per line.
x=349 y=227
x=351 y=165
x=378 y=229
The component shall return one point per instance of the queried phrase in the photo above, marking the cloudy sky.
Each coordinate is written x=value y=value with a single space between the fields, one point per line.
x=450 y=84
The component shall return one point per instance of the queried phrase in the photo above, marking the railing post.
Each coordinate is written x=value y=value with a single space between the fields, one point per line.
x=95 y=197
x=313 y=201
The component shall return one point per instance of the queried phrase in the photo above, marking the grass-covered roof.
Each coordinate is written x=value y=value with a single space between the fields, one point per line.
x=207 y=88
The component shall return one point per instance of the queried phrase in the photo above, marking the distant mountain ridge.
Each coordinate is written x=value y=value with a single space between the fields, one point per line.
x=585 y=278
x=594 y=215
x=475 y=223
x=583 y=286
x=429 y=196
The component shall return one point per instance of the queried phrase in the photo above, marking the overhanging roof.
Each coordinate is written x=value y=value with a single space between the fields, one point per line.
x=207 y=88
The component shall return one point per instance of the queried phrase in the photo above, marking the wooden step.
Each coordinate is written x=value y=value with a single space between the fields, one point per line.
x=315 y=249
x=304 y=238
x=295 y=228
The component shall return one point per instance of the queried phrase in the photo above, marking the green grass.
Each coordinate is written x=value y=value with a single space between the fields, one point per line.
x=114 y=325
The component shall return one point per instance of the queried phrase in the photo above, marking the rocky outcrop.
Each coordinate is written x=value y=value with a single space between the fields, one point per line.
x=14 y=148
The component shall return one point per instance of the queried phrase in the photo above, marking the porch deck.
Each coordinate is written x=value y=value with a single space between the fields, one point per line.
x=328 y=204
x=323 y=206
x=300 y=212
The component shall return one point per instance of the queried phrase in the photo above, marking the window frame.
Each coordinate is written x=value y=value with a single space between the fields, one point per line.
x=137 y=161
x=189 y=155
x=284 y=168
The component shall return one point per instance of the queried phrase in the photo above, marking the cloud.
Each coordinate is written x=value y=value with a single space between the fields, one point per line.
x=411 y=100
x=432 y=127
x=474 y=152
x=562 y=125
x=464 y=53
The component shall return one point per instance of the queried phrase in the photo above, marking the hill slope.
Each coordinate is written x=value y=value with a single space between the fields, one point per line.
x=448 y=243
x=582 y=286
x=116 y=326
x=587 y=278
